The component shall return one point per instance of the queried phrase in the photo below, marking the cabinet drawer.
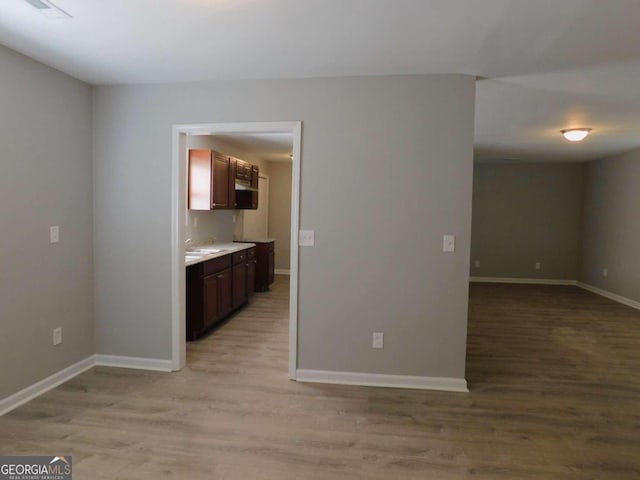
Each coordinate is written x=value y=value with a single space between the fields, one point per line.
x=239 y=257
x=251 y=253
x=217 y=264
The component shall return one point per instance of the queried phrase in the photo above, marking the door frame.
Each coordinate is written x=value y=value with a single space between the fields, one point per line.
x=178 y=218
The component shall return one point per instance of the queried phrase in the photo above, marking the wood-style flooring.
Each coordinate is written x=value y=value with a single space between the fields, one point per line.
x=554 y=374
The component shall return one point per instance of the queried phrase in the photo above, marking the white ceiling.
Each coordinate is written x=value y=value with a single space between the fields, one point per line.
x=547 y=64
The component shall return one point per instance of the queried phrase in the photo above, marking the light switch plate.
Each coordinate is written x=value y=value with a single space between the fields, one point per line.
x=378 y=340
x=54 y=234
x=306 y=238
x=449 y=243
x=57 y=336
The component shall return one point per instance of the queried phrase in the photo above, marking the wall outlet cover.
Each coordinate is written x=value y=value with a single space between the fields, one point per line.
x=449 y=243
x=378 y=340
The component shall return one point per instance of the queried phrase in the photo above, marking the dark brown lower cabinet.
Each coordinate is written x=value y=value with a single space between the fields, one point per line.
x=239 y=284
x=265 y=265
x=251 y=272
x=216 y=288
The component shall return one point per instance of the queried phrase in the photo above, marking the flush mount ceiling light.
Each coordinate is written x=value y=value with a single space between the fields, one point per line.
x=48 y=9
x=575 y=134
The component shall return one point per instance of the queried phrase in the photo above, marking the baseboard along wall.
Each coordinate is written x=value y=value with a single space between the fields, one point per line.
x=550 y=281
x=318 y=376
x=382 y=380
x=32 y=391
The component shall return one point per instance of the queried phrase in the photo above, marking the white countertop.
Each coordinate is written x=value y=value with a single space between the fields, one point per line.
x=193 y=256
x=259 y=240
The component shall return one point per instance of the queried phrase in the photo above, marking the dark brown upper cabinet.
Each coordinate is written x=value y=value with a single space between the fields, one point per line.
x=245 y=185
x=208 y=180
x=220 y=181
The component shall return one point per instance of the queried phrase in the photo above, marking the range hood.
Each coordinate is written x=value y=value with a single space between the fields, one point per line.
x=244 y=186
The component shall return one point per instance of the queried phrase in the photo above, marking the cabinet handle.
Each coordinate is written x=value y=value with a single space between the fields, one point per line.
x=220 y=276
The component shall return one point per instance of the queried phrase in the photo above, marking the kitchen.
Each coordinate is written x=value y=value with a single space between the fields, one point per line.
x=237 y=228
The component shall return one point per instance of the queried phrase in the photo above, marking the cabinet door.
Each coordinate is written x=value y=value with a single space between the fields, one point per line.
x=224 y=293
x=220 y=181
x=255 y=176
x=210 y=311
x=251 y=277
x=233 y=166
x=272 y=267
x=200 y=177
x=239 y=284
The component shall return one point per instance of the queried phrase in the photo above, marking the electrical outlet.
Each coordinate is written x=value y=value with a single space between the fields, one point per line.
x=195 y=222
x=57 y=336
x=477 y=263
x=378 y=340
x=605 y=272
x=449 y=243
x=538 y=265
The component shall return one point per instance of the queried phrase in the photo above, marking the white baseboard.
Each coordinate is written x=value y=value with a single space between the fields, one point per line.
x=382 y=380
x=282 y=271
x=43 y=386
x=134 y=362
x=609 y=295
x=534 y=281
x=58 y=378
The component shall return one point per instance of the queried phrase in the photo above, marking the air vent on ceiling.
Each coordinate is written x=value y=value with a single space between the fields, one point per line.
x=48 y=9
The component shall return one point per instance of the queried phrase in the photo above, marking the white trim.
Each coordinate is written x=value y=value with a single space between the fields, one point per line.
x=534 y=281
x=293 y=256
x=282 y=271
x=178 y=273
x=43 y=386
x=611 y=296
x=134 y=362
x=382 y=380
x=178 y=207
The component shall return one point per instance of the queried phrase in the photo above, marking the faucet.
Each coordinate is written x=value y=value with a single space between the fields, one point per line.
x=187 y=242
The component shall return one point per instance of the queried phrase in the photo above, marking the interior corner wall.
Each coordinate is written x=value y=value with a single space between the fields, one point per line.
x=523 y=214
x=280 y=212
x=45 y=180
x=611 y=225
x=379 y=208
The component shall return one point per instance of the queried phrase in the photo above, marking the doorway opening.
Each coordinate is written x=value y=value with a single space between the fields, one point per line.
x=231 y=133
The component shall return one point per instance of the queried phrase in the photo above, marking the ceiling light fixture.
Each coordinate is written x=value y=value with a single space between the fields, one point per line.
x=575 y=134
x=48 y=9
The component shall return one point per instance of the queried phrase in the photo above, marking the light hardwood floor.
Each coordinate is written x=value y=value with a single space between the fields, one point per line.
x=554 y=374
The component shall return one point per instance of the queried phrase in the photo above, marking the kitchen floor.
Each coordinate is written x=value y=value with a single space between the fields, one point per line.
x=554 y=374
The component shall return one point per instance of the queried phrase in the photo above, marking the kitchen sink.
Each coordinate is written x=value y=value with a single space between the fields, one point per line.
x=206 y=251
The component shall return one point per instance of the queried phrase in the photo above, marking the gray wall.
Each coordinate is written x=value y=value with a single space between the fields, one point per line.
x=45 y=180
x=402 y=179
x=611 y=225
x=280 y=211
x=523 y=214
